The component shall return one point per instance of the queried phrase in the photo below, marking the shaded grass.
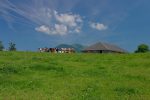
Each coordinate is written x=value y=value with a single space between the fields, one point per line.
x=126 y=91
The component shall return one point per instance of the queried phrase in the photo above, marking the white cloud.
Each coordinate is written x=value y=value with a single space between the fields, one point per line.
x=58 y=29
x=63 y=24
x=43 y=29
x=61 y=29
x=68 y=19
x=78 y=30
x=98 y=26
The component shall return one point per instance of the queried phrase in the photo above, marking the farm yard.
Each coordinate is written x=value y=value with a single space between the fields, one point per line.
x=45 y=76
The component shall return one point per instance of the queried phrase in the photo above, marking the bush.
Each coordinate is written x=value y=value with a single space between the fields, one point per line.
x=142 y=48
x=12 y=46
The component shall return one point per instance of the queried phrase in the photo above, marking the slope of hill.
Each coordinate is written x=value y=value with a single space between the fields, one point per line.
x=45 y=76
x=77 y=47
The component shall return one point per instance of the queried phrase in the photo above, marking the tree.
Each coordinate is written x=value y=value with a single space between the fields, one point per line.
x=142 y=48
x=1 y=46
x=12 y=46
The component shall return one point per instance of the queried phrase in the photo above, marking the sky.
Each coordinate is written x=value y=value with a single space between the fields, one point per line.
x=31 y=24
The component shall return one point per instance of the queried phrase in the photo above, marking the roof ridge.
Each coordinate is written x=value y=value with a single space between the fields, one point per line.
x=104 y=45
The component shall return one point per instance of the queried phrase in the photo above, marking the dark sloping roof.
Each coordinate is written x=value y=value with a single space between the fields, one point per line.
x=104 y=46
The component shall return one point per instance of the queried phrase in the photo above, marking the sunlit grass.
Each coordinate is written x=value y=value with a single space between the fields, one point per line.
x=44 y=76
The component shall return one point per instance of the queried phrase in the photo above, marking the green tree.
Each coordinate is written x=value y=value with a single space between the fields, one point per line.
x=12 y=46
x=142 y=48
x=1 y=46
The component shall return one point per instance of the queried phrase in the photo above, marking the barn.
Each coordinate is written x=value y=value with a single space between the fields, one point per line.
x=101 y=47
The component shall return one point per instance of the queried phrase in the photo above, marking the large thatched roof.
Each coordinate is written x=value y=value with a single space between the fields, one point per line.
x=104 y=46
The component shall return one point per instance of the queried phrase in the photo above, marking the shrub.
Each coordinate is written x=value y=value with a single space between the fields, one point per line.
x=142 y=48
x=12 y=46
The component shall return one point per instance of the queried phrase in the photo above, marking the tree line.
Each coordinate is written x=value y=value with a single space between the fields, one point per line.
x=12 y=46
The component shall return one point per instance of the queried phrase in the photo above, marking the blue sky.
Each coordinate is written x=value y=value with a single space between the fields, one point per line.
x=46 y=23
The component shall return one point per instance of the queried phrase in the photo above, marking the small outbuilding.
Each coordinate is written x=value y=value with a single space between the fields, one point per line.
x=101 y=47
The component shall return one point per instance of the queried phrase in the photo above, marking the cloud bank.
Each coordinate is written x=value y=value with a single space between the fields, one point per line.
x=62 y=24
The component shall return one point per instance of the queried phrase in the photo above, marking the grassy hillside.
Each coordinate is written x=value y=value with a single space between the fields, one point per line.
x=44 y=76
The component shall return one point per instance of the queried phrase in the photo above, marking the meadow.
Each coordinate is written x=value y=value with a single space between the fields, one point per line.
x=45 y=76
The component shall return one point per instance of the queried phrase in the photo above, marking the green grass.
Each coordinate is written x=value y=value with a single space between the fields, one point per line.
x=44 y=76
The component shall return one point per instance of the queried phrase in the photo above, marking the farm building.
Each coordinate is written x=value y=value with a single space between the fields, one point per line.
x=101 y=47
